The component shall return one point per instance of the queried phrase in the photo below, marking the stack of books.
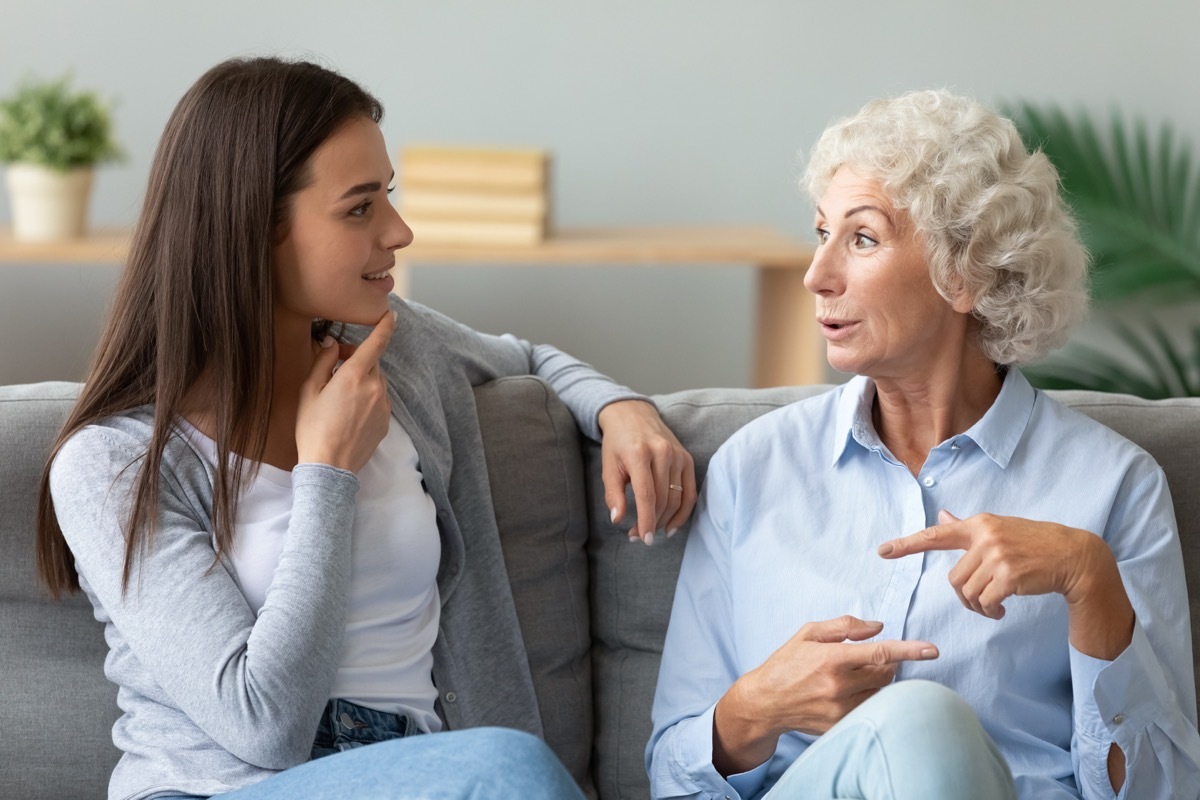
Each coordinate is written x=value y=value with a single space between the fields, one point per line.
x=457 y=195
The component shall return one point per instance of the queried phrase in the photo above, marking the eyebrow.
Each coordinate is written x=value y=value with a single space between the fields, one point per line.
x=857 y=209
x=365 y=188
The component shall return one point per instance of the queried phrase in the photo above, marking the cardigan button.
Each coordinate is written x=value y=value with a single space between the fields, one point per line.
x=451 y=697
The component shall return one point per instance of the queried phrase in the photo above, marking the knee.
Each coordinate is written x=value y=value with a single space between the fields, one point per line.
x=505 y=746
x=926 y=703
x=514 y=764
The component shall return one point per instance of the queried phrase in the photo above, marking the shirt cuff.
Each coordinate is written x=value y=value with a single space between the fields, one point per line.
x=695 y=740
x=1114 y=700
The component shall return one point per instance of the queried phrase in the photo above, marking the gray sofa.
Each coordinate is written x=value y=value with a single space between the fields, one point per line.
x=593 y=606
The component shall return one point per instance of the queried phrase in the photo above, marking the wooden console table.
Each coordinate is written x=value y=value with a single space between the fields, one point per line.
x=788 y=347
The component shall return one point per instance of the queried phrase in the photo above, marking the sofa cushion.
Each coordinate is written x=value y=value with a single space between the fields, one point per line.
x=536 y=473
x=57 y=708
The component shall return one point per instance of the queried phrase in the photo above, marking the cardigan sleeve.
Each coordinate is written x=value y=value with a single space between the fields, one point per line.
x=254 y=685
x=486 y=357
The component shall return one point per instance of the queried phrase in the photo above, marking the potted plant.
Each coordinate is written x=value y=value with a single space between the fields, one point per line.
x=51 y=137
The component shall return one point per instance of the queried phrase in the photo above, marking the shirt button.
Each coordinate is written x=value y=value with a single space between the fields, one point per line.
x=929 y=481
x=954 y=446
x=1118 y=719
x=451 y=697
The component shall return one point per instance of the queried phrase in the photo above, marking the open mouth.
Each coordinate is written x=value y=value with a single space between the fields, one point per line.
x=377 y=276
x=835 y=324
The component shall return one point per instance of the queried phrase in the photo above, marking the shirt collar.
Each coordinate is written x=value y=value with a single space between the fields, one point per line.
x=997 y=432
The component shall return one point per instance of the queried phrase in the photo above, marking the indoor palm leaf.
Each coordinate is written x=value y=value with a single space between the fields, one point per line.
x=1136 y=194
x=1164 y=370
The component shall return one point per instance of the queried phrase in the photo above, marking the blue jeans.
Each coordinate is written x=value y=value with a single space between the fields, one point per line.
x=914 y=740
x=458 y=765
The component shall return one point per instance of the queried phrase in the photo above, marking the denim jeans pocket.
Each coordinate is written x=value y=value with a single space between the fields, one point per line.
x=345 y=725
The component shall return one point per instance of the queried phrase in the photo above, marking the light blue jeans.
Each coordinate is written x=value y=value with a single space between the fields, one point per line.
x=914 y=740
x=459 y=765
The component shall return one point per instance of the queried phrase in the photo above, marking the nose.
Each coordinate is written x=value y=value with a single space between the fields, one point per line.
x=397 y=234
x=823 y=276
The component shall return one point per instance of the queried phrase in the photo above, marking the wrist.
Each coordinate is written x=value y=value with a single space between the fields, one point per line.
x=1095 y=572
x=743 y=735
x=614 y=412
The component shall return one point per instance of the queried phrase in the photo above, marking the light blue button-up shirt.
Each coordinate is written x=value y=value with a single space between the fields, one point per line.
x=786 y=530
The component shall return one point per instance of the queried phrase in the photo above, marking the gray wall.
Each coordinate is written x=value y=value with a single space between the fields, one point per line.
x=657 y=112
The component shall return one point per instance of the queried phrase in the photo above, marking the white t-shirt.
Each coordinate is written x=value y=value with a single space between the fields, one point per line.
x=392 y=615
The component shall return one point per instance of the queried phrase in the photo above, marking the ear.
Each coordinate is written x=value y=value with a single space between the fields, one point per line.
x=962 y=301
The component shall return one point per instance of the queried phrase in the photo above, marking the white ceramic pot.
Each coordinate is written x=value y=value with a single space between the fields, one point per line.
x=48 y=205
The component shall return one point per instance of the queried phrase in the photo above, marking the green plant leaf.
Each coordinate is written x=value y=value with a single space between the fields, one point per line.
x=1159 y=370
x=1136 y=194
x=51 y=125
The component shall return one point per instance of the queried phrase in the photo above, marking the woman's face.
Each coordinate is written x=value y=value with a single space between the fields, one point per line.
x=334 y=261
x=876 y=303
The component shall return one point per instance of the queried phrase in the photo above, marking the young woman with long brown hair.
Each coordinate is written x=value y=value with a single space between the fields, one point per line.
x=268 y=501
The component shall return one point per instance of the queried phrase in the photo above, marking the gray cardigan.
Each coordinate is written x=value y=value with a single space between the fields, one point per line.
x=214 y=698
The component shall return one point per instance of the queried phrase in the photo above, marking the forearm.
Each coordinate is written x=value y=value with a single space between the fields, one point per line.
x=587 y=393
x=1100 y=614
x=742 y=739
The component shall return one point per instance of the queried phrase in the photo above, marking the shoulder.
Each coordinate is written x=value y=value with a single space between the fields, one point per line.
x=1056 y=426
x=112 y=449
x=799 y=429
x=123 y=437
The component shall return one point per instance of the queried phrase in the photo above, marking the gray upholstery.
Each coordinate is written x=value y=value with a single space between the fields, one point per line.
x=593 y=606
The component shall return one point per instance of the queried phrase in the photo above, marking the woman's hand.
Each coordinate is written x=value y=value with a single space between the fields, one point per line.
x=1008 y=556
x=639 y=449
x=809 y=684
x=344 y=411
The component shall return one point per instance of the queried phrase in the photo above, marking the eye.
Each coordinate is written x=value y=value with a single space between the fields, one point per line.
x=864 y=241
x=360 y=210
x=822 y=236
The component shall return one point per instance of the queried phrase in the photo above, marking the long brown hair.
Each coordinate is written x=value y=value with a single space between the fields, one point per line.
x=196 y=295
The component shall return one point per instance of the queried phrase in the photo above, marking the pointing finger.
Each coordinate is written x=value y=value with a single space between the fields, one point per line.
x=371 y=350
x=894 y=651
x=951 y=536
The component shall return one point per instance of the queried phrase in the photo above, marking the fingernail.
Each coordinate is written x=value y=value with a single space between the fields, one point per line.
x=648 y=538
x=612 y=515
x=633 y=537
x=395 y=316
x=874 y=623
x=886 y=549
x=327 y=342
x=929 y=652
x=672 y=532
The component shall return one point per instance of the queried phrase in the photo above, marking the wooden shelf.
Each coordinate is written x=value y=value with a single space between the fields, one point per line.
x=719 y=245
x=788 y=350
x=98 y=247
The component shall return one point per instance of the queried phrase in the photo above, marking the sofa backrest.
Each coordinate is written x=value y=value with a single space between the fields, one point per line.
x=57 y=708
x=593 y=606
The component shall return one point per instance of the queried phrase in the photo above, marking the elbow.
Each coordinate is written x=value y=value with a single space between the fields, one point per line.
x=268 y=747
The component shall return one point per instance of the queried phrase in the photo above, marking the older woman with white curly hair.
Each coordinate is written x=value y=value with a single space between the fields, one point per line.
x=933 y=581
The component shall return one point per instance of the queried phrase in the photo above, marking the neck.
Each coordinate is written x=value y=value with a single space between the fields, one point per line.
x=912 y=415
x=294 y=354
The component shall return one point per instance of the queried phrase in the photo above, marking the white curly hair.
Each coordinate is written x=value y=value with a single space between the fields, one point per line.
x=994 y=225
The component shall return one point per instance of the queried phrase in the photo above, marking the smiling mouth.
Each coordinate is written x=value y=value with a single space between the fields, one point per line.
x=377 y=276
